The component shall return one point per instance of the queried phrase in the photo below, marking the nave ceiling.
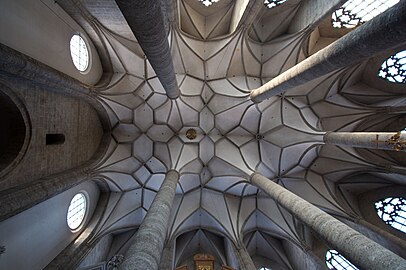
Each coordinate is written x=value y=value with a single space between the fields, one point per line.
x=281 y=137
x=220 y=53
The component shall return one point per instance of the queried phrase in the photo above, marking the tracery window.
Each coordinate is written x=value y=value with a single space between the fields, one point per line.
x=394 y=68
x=77 y=211
x=392 y=211
x=356 y=12
x=79 y=53
x=208 y=2
x=336 y=261
x=273 y=3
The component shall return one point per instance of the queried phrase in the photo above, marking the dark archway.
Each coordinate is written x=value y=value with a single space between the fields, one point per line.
x=13 y=132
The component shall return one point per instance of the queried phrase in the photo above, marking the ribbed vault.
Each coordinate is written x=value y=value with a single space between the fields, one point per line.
x=281 y=138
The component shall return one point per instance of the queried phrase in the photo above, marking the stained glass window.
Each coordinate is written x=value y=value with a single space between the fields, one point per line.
x=79 y=52
x=208 y=2
x=356 y=12
x=273 y=3
x=76 y=211
x=392 y=211
x=394 y=68
x=336 y=261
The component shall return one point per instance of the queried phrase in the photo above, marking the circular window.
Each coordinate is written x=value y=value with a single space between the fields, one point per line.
x=79 y=53
x=76 y=211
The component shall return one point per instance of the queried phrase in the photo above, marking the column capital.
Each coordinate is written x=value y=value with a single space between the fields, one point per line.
x=173 y=171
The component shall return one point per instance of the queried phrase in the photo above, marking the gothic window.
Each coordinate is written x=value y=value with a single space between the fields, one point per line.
x=335 y=261
x=273 y=3
x=394 y=68
x=392 y=211
x=76 y=211
x=79 y=53
x=208 y=2
x=356 y=12
x=264 y=268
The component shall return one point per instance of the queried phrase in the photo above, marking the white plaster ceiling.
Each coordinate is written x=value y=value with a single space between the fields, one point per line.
x=280 y=137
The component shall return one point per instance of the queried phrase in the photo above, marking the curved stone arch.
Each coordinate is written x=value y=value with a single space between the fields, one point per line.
x=278 y=230
x=195 y=231
x=19 y=67
x=371 y=187
x=14 y=110
x=273 y=250
x=366 y=202
x=219 y=230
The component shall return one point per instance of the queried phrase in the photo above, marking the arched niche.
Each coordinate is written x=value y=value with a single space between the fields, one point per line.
x=16 y=130
x=367 y=200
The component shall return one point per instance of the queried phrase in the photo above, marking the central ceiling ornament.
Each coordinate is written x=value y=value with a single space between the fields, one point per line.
x=208 y=2
x=191 y=134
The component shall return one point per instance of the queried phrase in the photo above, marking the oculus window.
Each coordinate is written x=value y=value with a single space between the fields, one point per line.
x=335 y=261
x=208 y=2
x=356 y=12
x=394 y=68
x=79 y=53
x=392 y=211
x=273 y=3
x=76 y=211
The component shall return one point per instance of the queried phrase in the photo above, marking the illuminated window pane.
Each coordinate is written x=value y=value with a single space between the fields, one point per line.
x=336 y=261
x=273 y=3
x=394 y=68
x=76 y=211
x=79 y=53
x=356 y=12
x=392 y=211
x=208 y=2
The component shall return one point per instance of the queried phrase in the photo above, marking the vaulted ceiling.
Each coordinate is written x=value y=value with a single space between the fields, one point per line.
x=220 y=53
x=280 y=138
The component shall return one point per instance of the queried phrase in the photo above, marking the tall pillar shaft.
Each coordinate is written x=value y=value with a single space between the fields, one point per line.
x=372 y=140
x=360 y=250
x=397 y=245
x=146 y=20
x=230 y=253
x=167 y=257
x=396 y=170
x=381 y=33
x=146 y=250
x=244 y=258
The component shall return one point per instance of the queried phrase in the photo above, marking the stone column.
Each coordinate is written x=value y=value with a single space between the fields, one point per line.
x=243 y=257
x=146 y=250
x=372 y=140
x=167 y=257
x=397 y=245
x=230 y=253
x=380 y=34
x=357 y=248
x=146 y=20
x=396 y=170
x=311 y=12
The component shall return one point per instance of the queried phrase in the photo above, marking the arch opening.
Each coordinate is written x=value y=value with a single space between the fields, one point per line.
x=14 y=131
